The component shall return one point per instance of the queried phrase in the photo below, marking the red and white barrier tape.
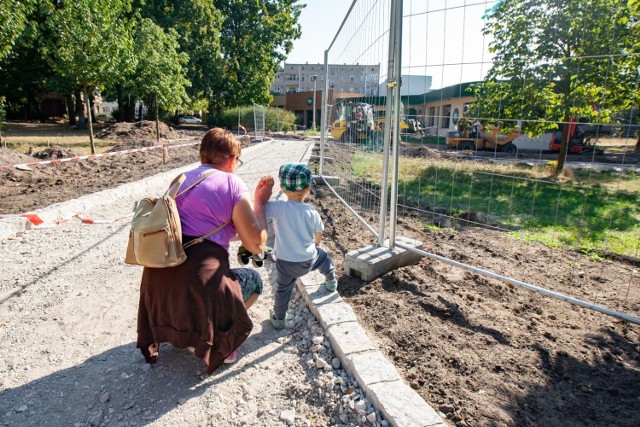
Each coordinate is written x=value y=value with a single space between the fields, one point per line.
x=36 y=220
x=87 y=220
x=95 y=156
x=33 y=218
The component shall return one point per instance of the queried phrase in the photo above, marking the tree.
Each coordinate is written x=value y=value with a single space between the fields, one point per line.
x=13 y=20
x=256 y=38
x=95 y=44
x=198 y=25
x=632 y=70
x=553 y=60
x=234 y=47
x=160 y=75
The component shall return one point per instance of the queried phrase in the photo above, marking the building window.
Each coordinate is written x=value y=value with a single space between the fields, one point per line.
x=446 y=116
x=432 y=116
x=351 y=78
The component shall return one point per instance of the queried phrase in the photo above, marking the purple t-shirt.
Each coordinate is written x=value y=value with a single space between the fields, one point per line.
x=210 y=204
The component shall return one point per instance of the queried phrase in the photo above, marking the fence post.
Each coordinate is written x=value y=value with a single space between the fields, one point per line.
x=397 y=51
x=391 y=81
x=324 y=118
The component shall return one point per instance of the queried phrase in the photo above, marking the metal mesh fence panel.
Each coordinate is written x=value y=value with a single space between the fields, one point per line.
x=536 y=143
x=259 y=121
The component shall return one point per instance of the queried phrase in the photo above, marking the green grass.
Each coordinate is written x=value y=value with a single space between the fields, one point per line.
x=21 y=136
x=592 y=212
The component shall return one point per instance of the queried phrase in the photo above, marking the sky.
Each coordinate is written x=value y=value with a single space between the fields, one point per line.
x=319 y=21
x=441 y=38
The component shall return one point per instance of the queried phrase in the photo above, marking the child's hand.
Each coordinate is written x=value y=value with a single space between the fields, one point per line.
x=264 y=189
x=266 y=180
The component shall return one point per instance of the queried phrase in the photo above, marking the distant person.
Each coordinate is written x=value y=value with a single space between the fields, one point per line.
x=348 y=112
x=476 y=129
x=202 y=303
x=298 y=232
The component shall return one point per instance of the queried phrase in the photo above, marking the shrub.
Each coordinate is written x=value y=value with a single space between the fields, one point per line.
x=276 y=119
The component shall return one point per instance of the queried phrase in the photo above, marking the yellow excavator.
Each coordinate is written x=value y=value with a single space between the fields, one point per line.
x=356 y=122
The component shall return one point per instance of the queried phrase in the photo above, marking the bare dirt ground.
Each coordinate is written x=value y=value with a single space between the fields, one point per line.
x=482 y=352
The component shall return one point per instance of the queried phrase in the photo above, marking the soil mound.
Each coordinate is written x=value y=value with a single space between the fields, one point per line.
x=132 y=145
x=54 y=152
x=12 y=157
x=420 y=151
x=144 y=130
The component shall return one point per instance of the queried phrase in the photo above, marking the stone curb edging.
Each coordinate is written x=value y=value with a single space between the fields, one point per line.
x=132 y=191
x=400 y=404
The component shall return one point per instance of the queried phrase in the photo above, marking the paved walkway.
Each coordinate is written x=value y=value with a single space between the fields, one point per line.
x=94 y=366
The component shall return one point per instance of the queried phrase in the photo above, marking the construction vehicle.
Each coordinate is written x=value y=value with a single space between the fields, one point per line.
x=580 y=136
x=490 y=139
x=356 y=122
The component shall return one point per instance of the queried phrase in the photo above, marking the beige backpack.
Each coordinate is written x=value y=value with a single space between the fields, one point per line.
x=155 y=238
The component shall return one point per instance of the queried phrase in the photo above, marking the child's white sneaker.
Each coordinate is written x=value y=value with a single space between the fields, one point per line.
x=331 y=285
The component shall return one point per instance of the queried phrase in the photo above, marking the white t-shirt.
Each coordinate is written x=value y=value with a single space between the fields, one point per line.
x=294 y=224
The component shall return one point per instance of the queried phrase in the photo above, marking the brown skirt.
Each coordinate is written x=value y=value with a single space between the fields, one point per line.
x=196 y=304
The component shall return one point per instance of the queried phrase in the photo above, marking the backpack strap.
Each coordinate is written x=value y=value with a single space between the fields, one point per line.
x=173 y=192
x=202 y=238
x=180 y=179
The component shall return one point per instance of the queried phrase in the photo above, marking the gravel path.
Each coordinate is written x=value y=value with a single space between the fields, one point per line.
x=68 y=307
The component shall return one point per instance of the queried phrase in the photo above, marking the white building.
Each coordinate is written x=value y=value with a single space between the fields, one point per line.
x=361 y=79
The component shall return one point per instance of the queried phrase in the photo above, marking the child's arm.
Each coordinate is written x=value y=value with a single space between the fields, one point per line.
x=317 y=237
x=264 y=189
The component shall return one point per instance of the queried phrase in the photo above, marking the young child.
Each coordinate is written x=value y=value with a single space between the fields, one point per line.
x=298 y=231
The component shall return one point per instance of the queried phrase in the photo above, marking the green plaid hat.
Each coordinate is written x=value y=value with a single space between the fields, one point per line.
x=295 y=176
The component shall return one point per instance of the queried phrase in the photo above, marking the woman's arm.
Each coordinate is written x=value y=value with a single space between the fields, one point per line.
x=250 y=230
x=251 y=224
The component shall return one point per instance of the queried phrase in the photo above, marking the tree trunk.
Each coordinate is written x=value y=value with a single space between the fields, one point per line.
x=71 y=114
x=92 y=104
x=157 y=121
x=88 y=102
x=120 y=111
x=564 y=144
x=80 y=111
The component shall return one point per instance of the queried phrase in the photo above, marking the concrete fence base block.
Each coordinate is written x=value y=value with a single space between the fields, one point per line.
x=373 y=261
x=371 y=367
x=326 y=180
x=317 y=159
x=402 y=406
x=348 y=339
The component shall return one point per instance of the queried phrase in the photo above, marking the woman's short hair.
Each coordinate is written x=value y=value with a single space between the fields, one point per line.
x=219 y=144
